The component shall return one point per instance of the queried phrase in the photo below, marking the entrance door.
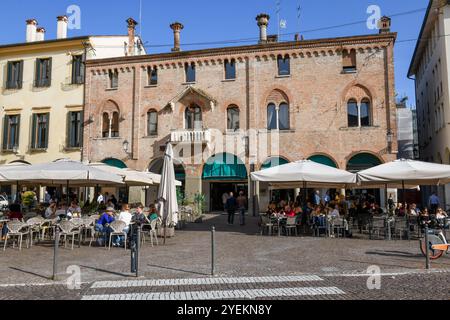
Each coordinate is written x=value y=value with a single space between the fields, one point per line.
x=219 y=188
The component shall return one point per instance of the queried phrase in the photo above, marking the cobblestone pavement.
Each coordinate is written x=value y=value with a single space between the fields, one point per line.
x=242 y=256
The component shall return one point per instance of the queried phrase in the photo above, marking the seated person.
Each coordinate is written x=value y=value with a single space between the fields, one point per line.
x=103 y=223
x=335 y=213
x=441 y=214
x=14 y=213
x=74 y=210
x=289 y=212
x=50 y=212
x=125 y=216
x=153 y=214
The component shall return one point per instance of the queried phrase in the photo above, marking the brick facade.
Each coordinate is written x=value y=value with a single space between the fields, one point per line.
x=317 y=92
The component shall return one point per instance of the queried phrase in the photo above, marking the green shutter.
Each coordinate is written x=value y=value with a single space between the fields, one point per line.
x=47 y=132
x=49 y=72
x=82 y=68
x=16 y=143
x=20 y=78
x=81 y=128
x=9 y=75
x=69 y=130
x=323 y=160
x=33 y=132
x=5 y=133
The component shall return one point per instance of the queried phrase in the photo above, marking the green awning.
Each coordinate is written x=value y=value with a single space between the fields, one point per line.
x=273 y=162
x=115 y=163
x=362 y=161
x=224 y=167
x=323 y=160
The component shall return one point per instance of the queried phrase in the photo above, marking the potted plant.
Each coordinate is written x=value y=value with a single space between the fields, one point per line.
x=199 y=207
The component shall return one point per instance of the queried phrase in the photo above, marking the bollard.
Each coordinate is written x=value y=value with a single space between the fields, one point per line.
x=427 y=249
x=213 y=232
x=133 y=250
x=55 y=254
x=138 y=244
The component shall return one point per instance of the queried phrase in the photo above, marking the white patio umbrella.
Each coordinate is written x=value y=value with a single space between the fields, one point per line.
x=406 y=173
x=156 y=178
x=132 y=178
x=167 y=194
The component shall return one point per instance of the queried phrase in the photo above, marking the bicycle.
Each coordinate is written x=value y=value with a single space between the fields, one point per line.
x=437 y=243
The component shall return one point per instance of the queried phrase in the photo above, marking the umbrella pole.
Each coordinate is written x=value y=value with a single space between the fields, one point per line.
x=67 y=197
x=305 y=194
x=386 y=198
x=17 y=192
x=404 y=195
x=165 y=229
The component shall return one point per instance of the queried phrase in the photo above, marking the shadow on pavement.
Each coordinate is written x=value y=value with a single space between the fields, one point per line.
x=394 y=254
x=179 y=270
x=32 y=273
x=108 y=271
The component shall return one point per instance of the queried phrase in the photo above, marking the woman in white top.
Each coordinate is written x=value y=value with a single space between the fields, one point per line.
x=50 y=211
x=335 y=213
x=125 y=215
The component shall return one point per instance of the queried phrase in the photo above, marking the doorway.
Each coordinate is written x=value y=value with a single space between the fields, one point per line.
x=217 y=189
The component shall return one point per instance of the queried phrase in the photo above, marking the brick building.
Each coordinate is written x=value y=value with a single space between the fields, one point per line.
x=329 y=100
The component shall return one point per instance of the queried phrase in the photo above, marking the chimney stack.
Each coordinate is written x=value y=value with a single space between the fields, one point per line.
x=263 y=22
x=131 y=35
x=176 y=27
x=61 y=32
x=40 y=34
x=384 y=24
x=31 y=30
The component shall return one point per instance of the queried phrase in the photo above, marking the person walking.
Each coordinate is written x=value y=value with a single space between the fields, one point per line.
x=225 y=197
x=231 y=208
x=242 y=204
x=433 y=203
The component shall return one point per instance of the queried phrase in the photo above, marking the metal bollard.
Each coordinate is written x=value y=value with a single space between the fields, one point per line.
x=138 y=245
x=213 y=233
x=55 y=254
x=427 y=249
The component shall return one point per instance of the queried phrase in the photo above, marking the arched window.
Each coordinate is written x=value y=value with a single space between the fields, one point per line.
x=115 y=125
x=352 y=113
x=193 y=117
x=365 y=113
x=272 y=122
x=233 y=118
x=283 y=117
x=105 y=125
x=152 y=123
x=230 y=69
x=278 y=117
x=284 y=65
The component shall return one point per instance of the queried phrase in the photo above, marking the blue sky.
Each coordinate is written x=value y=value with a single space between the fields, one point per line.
x=214 y=20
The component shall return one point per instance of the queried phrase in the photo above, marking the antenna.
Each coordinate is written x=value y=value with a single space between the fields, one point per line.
x=299 y=14
x=278 y=5
x=140 y=19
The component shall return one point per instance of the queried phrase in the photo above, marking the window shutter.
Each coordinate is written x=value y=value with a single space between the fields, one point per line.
x=69 y=130
x=5 y=133
x=33 y=132
x=9 y=76
x=81 y=128
x=16 y=143
x=82 y=69
x=74 y=70
x=49 y=72
x=37 y=76
x=20 y=77
x=47 y=131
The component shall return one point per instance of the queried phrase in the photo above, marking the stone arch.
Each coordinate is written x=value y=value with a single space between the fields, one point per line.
x=277 y=96
x=357 y=92
x=316 y=157
x=274 y=161
x=355 y=159
x=110 y=106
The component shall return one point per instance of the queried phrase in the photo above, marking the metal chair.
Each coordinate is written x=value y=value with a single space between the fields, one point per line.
x=68 y=229
x=34 y=226
x=338 y=226
x=401 y=227
x=15 y=230
x=291 y=224
x=117 y=229
x=266 y=223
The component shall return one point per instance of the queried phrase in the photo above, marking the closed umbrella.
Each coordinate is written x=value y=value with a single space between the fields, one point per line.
x=167 y=194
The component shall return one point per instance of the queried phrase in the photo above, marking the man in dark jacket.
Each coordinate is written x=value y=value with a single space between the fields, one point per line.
x=231 y=208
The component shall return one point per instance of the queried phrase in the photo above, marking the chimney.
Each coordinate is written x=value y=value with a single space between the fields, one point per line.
x=384 y=24
x=61 y=32
x=31 y=30
x=131 y=35
x=40 y=34
x=263 y=22
x=176 y=27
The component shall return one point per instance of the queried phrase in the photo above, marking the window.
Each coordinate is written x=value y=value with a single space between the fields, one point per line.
x=233 y=118
x=152 y=76
x=40 y=130
x=14 y=77
x=113 y=79
x=359 y=115
x=152 y=123
x=115 y=125
x=190 y=72
x=105 y=125
x=278 y=117
x=352 y=111
x=349 y=61
x=230 y=69
x=43 y=77
x=193 y=118
x=78 y=69
x=284 y=65
x=75 y=129
x=11 y=126
x=365 y=113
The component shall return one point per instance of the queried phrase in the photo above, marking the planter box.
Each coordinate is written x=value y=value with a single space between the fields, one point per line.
x=170 y=232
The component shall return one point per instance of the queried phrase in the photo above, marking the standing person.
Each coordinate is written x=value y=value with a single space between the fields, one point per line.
x=433 y=203
x=224 y=201
x=47 y=197
x=100 y=198
x=113 y=201
x=242 y=203
x=317 y=198
x=231 y=205
x=391 y=204
x=327 y=198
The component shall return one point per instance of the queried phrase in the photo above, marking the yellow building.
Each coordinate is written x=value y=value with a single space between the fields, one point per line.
x=42 y=91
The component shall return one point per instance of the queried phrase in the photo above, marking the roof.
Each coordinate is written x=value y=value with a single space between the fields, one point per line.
x=22 y=44
x=302 y=44
x=421 y=42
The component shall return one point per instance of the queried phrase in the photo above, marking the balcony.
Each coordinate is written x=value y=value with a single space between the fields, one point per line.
x=190 y=136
